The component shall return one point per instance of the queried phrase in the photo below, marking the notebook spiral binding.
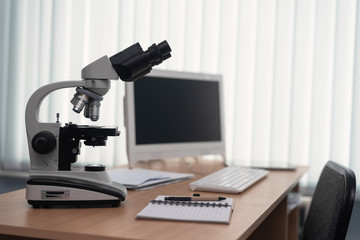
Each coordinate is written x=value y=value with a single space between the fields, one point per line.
x=189 y=203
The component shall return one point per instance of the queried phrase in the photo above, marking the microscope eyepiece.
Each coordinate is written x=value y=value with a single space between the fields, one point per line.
x=133 y=63
x=156 y=54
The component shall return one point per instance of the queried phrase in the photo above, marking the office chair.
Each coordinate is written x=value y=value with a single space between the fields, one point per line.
x=332 y=203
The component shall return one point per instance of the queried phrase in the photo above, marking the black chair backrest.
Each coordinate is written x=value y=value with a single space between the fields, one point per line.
x=332 y=204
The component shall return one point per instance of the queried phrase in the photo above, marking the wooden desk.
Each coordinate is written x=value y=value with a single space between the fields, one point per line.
x=260 y=213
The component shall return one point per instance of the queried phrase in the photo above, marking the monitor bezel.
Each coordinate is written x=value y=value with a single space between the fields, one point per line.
x=145 y=152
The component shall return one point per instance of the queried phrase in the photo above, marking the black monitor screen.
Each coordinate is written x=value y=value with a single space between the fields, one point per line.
x=176 y=110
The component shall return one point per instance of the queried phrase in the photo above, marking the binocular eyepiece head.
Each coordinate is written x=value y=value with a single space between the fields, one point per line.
x=134 y=63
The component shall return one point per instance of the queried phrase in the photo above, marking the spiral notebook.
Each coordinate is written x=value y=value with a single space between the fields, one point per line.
x=193 y=211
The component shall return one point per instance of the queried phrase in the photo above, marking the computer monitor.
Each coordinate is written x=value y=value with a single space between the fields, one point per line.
x=171 y=114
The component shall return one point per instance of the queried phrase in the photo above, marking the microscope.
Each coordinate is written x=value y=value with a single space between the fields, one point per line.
x=54 y=147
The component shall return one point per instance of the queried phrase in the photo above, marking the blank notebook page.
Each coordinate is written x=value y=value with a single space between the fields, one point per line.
x=199 y=211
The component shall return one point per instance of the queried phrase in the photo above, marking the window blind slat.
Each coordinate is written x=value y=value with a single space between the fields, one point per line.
x=291 y=81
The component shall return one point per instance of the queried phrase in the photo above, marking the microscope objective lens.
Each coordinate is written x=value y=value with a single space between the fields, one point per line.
x=79 y=103
x=94 y=110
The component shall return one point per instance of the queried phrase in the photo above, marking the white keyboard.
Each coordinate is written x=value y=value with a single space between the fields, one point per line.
x=229 y=180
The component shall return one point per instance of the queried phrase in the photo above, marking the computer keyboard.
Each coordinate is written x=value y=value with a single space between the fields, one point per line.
x=229 y=180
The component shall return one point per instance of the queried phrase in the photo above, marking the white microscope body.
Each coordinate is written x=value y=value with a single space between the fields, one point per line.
x=53 y=148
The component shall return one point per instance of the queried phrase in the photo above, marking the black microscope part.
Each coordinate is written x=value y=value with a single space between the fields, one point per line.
x=133 y=63
x=69 y=141
x=43 y=142
x=94 y=168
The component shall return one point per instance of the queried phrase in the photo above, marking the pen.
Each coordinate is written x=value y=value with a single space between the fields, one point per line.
x=195 y=198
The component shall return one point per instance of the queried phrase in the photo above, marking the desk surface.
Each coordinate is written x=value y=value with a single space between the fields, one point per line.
x=252 y=207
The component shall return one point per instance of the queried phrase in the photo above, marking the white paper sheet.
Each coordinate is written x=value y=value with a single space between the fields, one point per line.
x=139 y=178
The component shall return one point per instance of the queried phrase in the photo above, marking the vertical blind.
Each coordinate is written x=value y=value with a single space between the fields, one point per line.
x=290 y=68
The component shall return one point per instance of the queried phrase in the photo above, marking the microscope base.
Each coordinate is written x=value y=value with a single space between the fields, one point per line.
x=54 y=192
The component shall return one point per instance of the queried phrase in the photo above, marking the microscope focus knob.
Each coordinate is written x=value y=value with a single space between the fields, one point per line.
x=43 y=142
